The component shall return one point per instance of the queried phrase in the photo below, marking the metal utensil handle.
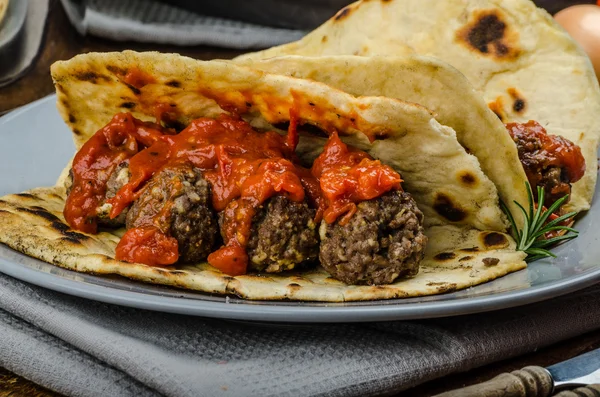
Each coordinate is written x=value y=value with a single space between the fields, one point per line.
x=587 y=391
x=530 y=381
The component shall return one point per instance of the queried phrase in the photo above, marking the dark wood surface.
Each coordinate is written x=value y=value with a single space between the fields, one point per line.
x=63 y=42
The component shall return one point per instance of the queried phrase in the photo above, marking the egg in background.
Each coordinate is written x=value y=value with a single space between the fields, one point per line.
x=582 y=22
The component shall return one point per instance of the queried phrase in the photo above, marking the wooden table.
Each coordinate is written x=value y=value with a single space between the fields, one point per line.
x=63 y=42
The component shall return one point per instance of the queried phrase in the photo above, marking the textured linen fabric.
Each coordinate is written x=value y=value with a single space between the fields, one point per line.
x=85 y=348
x=153 y=22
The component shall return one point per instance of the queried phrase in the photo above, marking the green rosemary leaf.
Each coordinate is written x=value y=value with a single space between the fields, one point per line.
x=539 y=251
x=552 y=241
x=555 y=228
x=552 y=208
x=534 y=221
x=560 y=219
x=533 y=258
x=513 y=224
x=525 y=231
x=531 y=200
x=531 y=238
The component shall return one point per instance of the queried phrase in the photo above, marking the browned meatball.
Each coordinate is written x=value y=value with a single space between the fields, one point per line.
x=382 y=241
x=283 y=235
x=177 y=200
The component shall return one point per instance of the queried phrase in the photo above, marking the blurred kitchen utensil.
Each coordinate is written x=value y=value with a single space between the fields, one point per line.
x=21 y=37
x=534 y=381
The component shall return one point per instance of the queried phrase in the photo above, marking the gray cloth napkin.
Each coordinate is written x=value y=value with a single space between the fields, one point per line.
x=153 y=22
x=84 y=348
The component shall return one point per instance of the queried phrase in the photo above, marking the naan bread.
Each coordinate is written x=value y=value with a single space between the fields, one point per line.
x=32 y=223
x=465 y=225
x=431 y=83
x=522 y=62
x=437 y=170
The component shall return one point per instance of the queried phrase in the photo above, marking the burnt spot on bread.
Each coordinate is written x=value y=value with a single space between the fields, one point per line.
x=444 y=206
x=58 y=225
x=174 y=84
x=324 y=39
x=442 y=286
x=495 y=240
x=76 y=132
x=294 y=286
x=127 y=105
x=519 y=102
x=489 y=262
x=116 y=70
x=444 y=256
x=42 y=213
x=91 y=77
x=489 y=34
x=26 y=195
x=72 y=240
x=519 y=105
x=467 y=178
x=449 y=287
x=465 y=258
x=72 y=118
x=75 y=235
x=472 y=249
x=343 y=13
x=66 y=231
x=136 y=91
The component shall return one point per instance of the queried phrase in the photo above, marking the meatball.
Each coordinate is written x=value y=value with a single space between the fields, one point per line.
x=382 y=241
x=283 y=235
x=549 y=161
x=116 y=181
x=177 y=201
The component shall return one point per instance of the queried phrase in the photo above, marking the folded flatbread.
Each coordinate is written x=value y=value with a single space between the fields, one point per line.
x=429 y=82
x=464 y=223
x=517 y=57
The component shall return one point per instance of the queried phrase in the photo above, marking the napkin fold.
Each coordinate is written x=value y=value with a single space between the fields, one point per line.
x=85 y=348
x=153 y=22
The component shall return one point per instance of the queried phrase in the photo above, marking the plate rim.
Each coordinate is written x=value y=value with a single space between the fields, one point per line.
x=304 y=312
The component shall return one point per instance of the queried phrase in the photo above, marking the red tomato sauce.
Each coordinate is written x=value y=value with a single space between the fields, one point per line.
x=93 y=164
x=348 y=176
x=553 y=150
x=244 y=168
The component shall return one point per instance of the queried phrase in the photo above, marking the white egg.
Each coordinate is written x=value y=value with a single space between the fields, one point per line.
x=582 y=22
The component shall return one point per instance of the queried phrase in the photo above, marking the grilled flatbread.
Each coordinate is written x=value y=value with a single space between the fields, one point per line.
x=517 y=57
x=465 y=226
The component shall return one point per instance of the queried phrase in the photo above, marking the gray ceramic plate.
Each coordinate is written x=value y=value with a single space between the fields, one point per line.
x=35 y=145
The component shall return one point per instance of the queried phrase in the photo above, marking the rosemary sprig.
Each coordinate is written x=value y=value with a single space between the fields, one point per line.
x=532 y=239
